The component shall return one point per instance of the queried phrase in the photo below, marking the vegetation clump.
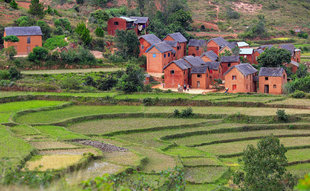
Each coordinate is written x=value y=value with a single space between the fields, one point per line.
x=185 y=113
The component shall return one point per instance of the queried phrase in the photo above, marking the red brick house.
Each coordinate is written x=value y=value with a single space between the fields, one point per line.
x=200 y=77
x=295 y=53
x=158 y=56
x=215 y=71
x=146 y=41
x=177 y=73
x=248 y=54
x=138 y=24
x=229 y=61
x=293 y=66
x=256 y=54
x=196 y=47
x=29 y=37
x=178 y=37
x=219 y=44
x=240 y=79
x=209 y=56
x=174 y=44
x=271 y=80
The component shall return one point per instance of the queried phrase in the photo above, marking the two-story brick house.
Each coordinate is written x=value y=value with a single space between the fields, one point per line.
x=178 y=37
x=196 y=47
x=146 y=41
x=272 y=80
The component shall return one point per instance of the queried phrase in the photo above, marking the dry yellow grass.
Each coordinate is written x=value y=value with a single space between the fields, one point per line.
x=52 y=145
x=53 y=162
x=71 y=152
x=292 y=101
x=122 y=158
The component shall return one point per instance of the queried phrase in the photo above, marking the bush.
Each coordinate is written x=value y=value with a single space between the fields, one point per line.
x=185 y=113
x=64 y=24
x=298 y=94
x=11 y=38
x=99 y=32
x=232 y=14
x=14 y=5
x=148 y=101
x=99 y=17
x=14 y=74
x=79 y=56
x=38 y=54
x=176 y=113
x=10 y=52
x=302 y=84
x=303 y=35
x=281 y=115
x=4 y=75
x=70 y=83
x=59 y=31
x=106 y=83
x=6 y=83
x=55 y=41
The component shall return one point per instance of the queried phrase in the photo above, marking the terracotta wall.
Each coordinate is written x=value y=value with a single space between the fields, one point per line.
x=192 y=50
x=204 y=81
x=145 y=44
x=249 y=57
x=182 y=50
x=112 y=28
x=213 y=46
x=243 y=84
x=278 y=81
x=157 y=63
x=180 y=77
x=255 y=56
x=225 y=66
x=22 y=47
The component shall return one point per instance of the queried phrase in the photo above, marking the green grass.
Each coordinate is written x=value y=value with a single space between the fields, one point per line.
x=185 y=152
x=213 y=97
x=114 y=125
x=24 y=130
x=154 y=95
x=204 y=174
x=198 y=139
x=200 y=161
x=298 y=155
x=74 y=111
x=101 y=94
x=251 y=99
x=59 y=133
x=12 y=148
x=66 y=71
x=238 y=147
x=300 y=170
x=292 y=101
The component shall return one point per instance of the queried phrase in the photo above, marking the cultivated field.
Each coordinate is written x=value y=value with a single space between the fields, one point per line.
x=41 y=135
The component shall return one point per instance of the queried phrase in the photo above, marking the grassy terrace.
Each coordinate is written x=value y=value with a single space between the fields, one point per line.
x=57 y=115
x=197 y=144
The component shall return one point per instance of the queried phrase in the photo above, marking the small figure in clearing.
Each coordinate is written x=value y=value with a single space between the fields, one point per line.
x=226 y=91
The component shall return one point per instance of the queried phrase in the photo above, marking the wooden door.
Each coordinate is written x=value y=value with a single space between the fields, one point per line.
x=266 y=89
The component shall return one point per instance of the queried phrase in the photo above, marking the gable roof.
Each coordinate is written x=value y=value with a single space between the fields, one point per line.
x=259 y=50
x=244 y=68
x=213 y=65
x=246 y=51
x=199 y=69
x=180 y=63
x=210 y=54
x=194 y=60
x=150 y=38
x=23 y=31
x=140 y=20
x=128 y=19
x=271 y=71
x=177 y=37
x=294 y=63
x=266 y=46
x=219 y=41
x=172 y=43
x=196 y=43
x=289 y=47
x=242 y=44
x=230 y=59
x=161 y=47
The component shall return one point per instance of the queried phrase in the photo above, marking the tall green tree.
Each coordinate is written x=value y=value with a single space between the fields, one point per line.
x=45 y=28
x=274 y=57
x=36 y=8
x=264 y=167
x=132 y=79
x=83 y=33
x=14 y=5
x=127 y=43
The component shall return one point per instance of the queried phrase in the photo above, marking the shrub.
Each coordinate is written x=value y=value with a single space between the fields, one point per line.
x=185 y=113
x=38 y=54
x=83 y=33
x=302 y=84
x=148 y=88
x=6 y=83
x=64 y=24
x=98 y=17
x=11 y=38
x=70 y=83
x=10 y=52
x=14 y=5
x=148 y=101
x=99 y=32
x=298 y=94
x=176 y=113
x=303 y=35
x=55 y=41
x=106 y=83
x=281 y=115
x=45 y=28
x=232 y=14
x=131 y=80
x=25 y=21
x=14 y=74
x=4 y=75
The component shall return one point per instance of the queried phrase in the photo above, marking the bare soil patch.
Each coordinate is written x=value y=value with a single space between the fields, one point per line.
x=247 y=7
x=104 y=147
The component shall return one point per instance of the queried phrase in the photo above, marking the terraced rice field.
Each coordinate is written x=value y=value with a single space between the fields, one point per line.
x=150 y=144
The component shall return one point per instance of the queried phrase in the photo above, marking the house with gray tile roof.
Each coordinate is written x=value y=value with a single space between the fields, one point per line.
x=23 y=31
x=196 y=47
x=272 y=80
x=182 y=43
x=194 y=60
x=209 y=56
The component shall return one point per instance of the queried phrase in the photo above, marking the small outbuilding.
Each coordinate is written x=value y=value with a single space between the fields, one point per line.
x=272 y=80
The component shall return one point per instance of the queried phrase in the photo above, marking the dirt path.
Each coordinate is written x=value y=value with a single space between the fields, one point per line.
x=217 y=11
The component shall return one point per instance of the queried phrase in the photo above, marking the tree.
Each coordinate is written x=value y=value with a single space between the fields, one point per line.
x=45 y=28
x=80 y=2
x=132 y=79
x=10 y=52
x=182 y=18
x=141 y=6
x=14 y=5
x=302 y=71
x=1 y=33
x=25 y=21
x=14 y=74
x=99 y=17
x=36 y=8
x=99 y=32
x=127 y=43
x=38 y=54
x=274 y=57
x=302 y=84
x=11 y=38
x=64 y=24
x=264 y=167
x=83 y=33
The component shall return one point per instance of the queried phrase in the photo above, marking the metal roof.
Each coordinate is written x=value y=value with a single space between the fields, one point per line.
x=242 y=44
x=271 y=71
x=140 y=20
x=246 y=51
x=294 y=63
x=128 y=19
x=23 y=31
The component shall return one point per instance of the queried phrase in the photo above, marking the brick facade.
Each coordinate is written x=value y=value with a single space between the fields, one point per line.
x=25 y=44
x=175 y=76
x=180 y=50
x=236 y=82
x=156 y=60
